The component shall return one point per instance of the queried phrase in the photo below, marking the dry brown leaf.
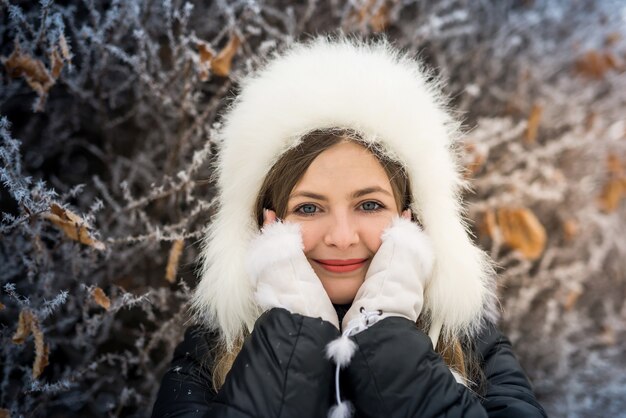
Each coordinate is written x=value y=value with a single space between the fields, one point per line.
x=362 y=13
x=380 y=19
x=32 y=70
x=612 y=61
x=5 y=413
x=533 y=124
x=607 y=337
x=101 y=298
x=614 y=165
x=590 y=120
x=172 y=262
x=42 y=351
x=475 y=166
x=57 y=63
x=522 y=231
x=611 y=195
x=612 y=38
x=206 y=56
x=477 y=157
x=72 y=225
x=2 y=307
x=220 y=65
x=488 y=225
x=27 y=324
x=65 y=50
x=38 y=77
x=595 y=64
x=570 y=229
x=377 y=19
x=571 y=299
x=24 y=326
x=512 y=107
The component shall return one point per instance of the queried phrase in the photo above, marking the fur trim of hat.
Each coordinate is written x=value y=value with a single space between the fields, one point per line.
x=386 y=96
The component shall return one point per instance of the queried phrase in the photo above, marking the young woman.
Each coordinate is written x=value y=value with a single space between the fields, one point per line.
x=338 y=277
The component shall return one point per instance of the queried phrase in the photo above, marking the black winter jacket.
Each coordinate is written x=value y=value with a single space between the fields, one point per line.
x=281 y=372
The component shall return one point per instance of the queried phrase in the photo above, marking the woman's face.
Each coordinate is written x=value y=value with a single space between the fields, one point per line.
x=343 y=203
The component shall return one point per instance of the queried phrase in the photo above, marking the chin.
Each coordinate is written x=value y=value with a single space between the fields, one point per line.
x=342 y=291
x=342 y=299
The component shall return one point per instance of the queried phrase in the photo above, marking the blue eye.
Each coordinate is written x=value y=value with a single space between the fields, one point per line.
x=371 y=209
x=305 y=212
x=368 y=207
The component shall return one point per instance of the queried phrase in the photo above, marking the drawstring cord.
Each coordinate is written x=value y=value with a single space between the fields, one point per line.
x=341 y=351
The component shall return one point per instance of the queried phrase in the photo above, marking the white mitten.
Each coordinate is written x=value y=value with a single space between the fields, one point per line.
x=394 y=283
x=281 y=275
x=394 y=286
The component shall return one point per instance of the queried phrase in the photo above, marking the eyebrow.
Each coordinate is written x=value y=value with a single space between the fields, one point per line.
x=358 y=193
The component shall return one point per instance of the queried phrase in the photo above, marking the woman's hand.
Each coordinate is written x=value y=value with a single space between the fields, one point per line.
x=269 y=217
x=394 y=283
x=281 y=275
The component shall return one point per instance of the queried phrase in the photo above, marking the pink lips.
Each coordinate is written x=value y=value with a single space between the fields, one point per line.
x=342 y=266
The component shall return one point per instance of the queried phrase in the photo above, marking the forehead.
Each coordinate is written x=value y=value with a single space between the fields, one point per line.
x=346 y=165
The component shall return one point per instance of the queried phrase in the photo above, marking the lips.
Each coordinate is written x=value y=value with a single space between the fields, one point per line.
x=342 y=266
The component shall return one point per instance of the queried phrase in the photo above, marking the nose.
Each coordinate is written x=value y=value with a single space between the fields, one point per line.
x=341 y=231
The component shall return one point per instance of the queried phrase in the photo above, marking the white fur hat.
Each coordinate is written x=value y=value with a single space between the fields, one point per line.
x=372 y=88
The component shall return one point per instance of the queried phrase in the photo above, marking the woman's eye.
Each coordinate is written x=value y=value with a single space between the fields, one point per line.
x=310 y=209
x=303 y=209
x=371 y=206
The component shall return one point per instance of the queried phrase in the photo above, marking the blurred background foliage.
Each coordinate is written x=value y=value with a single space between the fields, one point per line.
x=107 y=119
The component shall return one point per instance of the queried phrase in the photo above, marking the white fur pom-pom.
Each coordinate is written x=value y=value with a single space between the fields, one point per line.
x=342 y=410
x=341 y=350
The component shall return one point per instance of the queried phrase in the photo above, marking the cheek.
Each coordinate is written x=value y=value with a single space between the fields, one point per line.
x=370 y=231
x=311 y=236
x=371 y=234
